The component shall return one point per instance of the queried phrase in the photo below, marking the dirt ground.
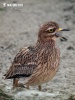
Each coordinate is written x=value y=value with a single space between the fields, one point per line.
x=19 y=27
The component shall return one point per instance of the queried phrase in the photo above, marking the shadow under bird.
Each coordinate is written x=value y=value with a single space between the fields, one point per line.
x=37 y=64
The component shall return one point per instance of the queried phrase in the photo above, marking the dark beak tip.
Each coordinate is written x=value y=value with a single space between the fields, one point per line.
x=65 y=29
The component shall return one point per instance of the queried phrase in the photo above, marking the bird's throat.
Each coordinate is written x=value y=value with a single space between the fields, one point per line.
x=44 y=44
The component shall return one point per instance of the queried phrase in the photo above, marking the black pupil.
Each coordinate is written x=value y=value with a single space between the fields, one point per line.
x=52 y=30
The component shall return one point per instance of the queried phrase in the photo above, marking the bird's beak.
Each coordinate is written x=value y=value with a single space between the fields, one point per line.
x=59 y=35
x=60 y=29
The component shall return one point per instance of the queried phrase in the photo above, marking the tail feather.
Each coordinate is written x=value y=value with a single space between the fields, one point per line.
x=8 y=72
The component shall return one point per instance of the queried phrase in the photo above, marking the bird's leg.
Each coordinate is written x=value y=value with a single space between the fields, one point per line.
x=27 y=87
x=39 y=87
x=15 y=83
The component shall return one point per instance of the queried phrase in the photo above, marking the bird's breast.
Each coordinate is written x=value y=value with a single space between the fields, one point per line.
x=48 y=61
x=49 y=58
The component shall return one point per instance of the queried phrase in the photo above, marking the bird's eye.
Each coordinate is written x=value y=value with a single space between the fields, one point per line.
x=51 y=30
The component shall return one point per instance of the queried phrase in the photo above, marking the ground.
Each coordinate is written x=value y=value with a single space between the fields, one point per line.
x=19 y=27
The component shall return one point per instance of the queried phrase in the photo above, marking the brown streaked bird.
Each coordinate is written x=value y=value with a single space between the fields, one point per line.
x=37 y=64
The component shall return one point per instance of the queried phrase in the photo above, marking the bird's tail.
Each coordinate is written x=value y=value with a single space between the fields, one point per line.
x=8 y=72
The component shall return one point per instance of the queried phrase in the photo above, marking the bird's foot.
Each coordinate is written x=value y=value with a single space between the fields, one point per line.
x=27 y=87
x=21 y=85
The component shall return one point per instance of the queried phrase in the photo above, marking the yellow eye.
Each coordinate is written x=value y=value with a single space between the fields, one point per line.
x=51 y=30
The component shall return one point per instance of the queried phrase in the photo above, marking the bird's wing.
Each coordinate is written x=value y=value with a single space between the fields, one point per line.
x=24 y=64
x=21 y=71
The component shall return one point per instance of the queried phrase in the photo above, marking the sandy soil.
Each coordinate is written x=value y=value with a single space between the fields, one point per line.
x=19 y=27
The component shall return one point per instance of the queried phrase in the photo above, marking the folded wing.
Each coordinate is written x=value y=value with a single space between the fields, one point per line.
x=24 y=64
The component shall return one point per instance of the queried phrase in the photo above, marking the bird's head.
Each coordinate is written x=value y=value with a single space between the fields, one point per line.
x=50 y=30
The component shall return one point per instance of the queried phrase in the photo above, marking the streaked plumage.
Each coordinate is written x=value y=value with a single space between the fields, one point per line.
x=39 y=63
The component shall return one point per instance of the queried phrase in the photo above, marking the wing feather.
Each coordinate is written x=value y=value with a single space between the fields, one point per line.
x=21 y=71
x=24 y=63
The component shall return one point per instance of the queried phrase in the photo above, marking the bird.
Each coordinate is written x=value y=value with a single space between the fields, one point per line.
x=39 y=63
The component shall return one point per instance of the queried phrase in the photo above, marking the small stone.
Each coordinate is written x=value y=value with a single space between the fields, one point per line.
x=70 y=48
x=62 y=40
x=73 y=83
x=1 y=47
x=69 y=8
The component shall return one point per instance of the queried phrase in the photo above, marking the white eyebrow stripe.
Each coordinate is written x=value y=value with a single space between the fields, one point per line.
x=50 y=28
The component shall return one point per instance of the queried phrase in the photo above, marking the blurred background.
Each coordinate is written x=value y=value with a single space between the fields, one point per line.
x=19 y=27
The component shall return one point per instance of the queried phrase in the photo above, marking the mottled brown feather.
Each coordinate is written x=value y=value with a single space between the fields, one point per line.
x=38 y=63
x=24 y=60
x=48 y=61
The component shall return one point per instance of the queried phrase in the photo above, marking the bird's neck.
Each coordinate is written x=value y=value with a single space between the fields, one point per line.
x=50 y=43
